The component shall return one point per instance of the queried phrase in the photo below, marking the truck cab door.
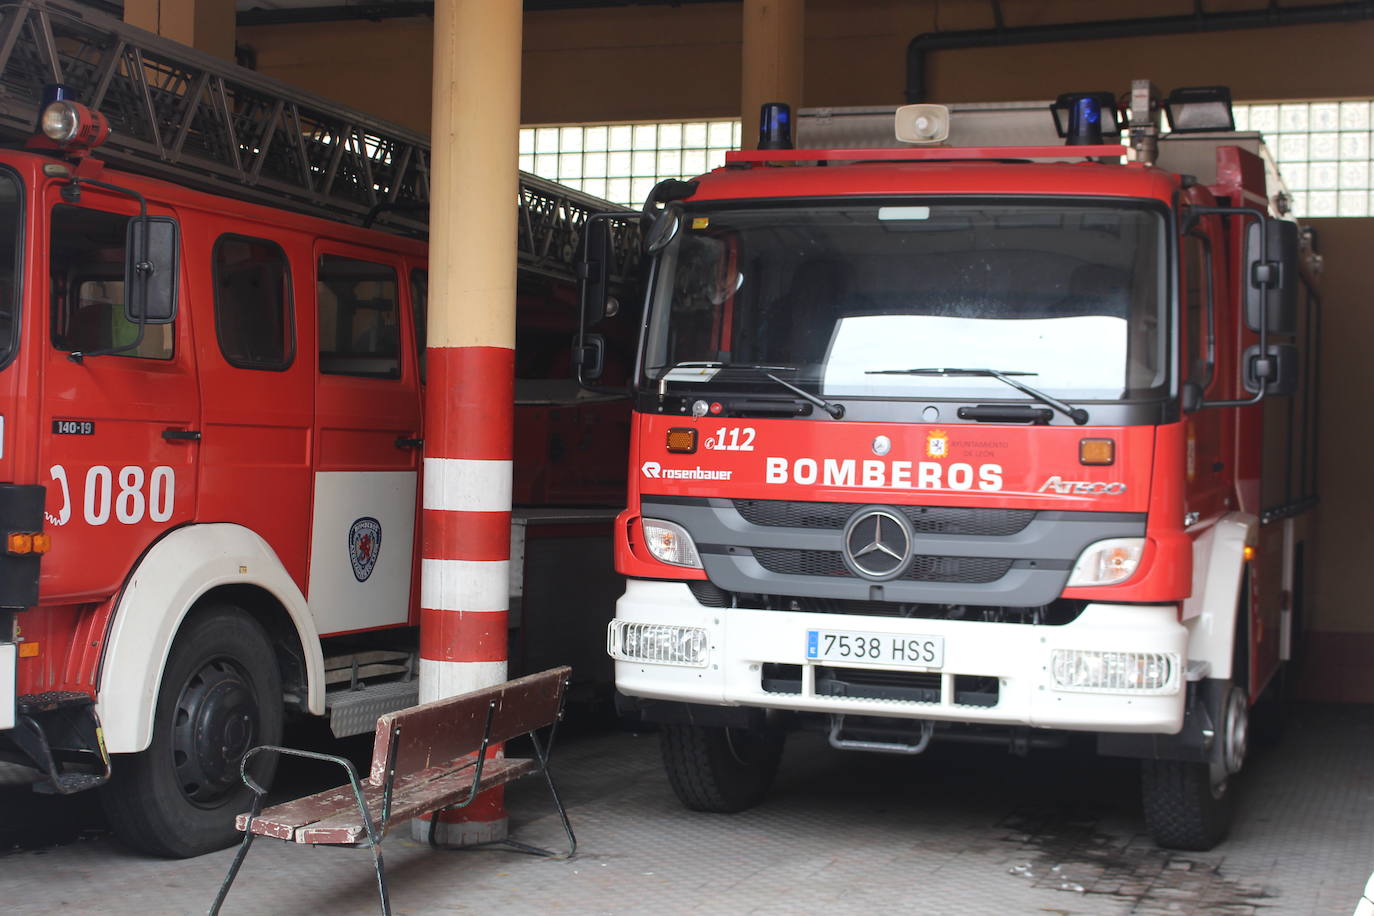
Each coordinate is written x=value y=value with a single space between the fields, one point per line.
x=367 y=442
x=118 y=443
x=1210 y=479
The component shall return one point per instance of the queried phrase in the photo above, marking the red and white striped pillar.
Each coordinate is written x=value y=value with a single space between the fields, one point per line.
x=469 y=412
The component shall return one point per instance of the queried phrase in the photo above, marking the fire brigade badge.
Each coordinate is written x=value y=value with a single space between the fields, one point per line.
x=937 y=444
x=364 y=546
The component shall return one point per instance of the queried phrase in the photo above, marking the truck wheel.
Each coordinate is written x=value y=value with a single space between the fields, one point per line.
x=220 y=696
x=720 y=769
x=1188 y=804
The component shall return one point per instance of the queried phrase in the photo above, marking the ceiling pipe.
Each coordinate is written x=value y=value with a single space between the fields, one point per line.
x=402 y=9
x=1268 y=17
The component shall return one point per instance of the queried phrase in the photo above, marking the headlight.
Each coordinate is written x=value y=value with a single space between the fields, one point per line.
x=670 y=543
x=60 y=122
x=1081 y=669
x=1107 y=562
x=657 y=642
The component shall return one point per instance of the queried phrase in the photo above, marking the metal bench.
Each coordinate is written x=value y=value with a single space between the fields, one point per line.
x=425 y=759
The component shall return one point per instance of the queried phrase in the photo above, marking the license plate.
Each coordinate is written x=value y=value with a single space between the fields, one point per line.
x=875 y=648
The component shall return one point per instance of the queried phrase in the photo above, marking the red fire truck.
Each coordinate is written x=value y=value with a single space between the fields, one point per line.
x=210 y=419
x=986 y=435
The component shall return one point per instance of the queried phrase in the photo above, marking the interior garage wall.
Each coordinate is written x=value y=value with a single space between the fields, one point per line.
x=663 y=62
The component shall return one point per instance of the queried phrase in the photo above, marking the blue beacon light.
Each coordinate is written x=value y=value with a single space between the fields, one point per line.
x=775 y=126
x=1085 y=122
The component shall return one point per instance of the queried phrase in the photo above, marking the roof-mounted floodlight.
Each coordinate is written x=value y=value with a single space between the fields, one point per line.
x=922 y=123
x=775 y=126
x=1082 y=118
x=1193 y=109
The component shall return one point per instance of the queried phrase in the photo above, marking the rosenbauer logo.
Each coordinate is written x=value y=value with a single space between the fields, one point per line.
x=885 y=475
x=655 y=471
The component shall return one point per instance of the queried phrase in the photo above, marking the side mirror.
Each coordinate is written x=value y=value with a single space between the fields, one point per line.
x=150 y=270
x=1278 y=372
x=1272 y=277
x=663 y=229
x=589 y=357
x=594 y=271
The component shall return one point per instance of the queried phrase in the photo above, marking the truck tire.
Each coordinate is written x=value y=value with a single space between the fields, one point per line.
x=1190 y=804
x=220 y=695
x=716 y=769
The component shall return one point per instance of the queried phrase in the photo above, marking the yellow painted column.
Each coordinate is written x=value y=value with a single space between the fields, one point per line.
x=470 y=396
x=771 y=68
x=206 y=25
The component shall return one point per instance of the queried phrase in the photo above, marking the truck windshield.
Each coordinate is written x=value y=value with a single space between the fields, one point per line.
x=9 y=264
x=1069 y=294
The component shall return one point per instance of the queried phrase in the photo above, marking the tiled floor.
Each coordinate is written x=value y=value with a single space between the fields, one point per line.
x=958 y=830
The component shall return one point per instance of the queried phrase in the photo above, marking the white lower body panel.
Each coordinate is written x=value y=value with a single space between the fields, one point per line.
x=9 y=654
x=743 y=640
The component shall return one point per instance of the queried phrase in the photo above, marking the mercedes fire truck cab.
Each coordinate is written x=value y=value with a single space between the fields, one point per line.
x=957 y=440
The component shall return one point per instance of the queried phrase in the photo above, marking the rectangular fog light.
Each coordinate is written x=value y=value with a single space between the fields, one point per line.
x=658 y=643
x=1115 y=672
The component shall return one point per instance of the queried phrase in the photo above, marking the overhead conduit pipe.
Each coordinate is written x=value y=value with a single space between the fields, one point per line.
x=1199 y=21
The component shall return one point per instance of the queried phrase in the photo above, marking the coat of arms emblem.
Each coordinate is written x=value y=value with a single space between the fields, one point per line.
x=364 y=546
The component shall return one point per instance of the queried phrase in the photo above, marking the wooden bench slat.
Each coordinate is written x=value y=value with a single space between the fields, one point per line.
x=409 y=801
x=444 y=730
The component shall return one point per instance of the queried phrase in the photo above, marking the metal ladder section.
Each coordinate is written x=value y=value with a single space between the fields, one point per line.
x=191 y=118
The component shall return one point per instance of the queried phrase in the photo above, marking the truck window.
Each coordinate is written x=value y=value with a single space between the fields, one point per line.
x=1198 y=314
x=254 y=317
x=86 y=268
x=360 y=331
x=9 y=267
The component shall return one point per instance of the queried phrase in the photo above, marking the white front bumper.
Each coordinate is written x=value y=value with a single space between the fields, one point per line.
x=743 y=640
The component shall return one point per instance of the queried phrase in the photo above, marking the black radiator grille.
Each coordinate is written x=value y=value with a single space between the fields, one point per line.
x=923 y=568
x=777 y=513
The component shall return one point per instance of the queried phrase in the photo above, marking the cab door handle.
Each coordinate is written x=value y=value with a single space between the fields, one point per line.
x=181 y=435
x=403 y=442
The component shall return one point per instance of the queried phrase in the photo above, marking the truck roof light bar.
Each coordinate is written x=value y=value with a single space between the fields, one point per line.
x=747 y=157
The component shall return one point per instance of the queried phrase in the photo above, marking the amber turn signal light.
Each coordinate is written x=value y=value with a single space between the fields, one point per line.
x=19 y=544
x=1097 y=451
x=682 y=439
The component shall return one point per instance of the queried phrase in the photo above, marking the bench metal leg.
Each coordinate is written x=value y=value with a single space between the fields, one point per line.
x=239 y=856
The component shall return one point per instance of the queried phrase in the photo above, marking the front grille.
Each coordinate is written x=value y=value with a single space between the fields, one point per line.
x=778 y=513
x=923 y=568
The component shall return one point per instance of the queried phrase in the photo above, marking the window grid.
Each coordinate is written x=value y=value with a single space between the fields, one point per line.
x=1324 y=151
x=622 y=162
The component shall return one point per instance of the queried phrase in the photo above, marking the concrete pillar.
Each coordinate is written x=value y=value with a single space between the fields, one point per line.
x=206 y=25
x=469 y=411
x=771 y=69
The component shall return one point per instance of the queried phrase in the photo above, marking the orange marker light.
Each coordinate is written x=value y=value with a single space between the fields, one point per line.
x=1248 y=553
x=42 y=543
x=19 y=544
x=28 y=649
x=682 y=440
x=1097 y=451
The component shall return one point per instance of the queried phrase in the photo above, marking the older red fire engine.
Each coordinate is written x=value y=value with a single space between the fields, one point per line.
x=972 y=441
x=209 y=517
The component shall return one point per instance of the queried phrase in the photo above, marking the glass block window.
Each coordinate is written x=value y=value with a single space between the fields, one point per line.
x=622 y=162
x=1323 y=152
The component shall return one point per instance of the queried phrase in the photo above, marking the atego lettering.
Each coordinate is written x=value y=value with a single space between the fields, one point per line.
x=1082 y=487
x=885 y=475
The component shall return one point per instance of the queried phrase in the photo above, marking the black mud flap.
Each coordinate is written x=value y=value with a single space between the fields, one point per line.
x=61 y=735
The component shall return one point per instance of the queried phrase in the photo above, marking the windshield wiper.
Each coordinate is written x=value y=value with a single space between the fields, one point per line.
x=1076 y=414
x=830 y=407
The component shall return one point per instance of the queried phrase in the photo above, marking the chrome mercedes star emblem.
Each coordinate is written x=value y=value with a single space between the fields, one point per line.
x=877 y=544
x=881 y=445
